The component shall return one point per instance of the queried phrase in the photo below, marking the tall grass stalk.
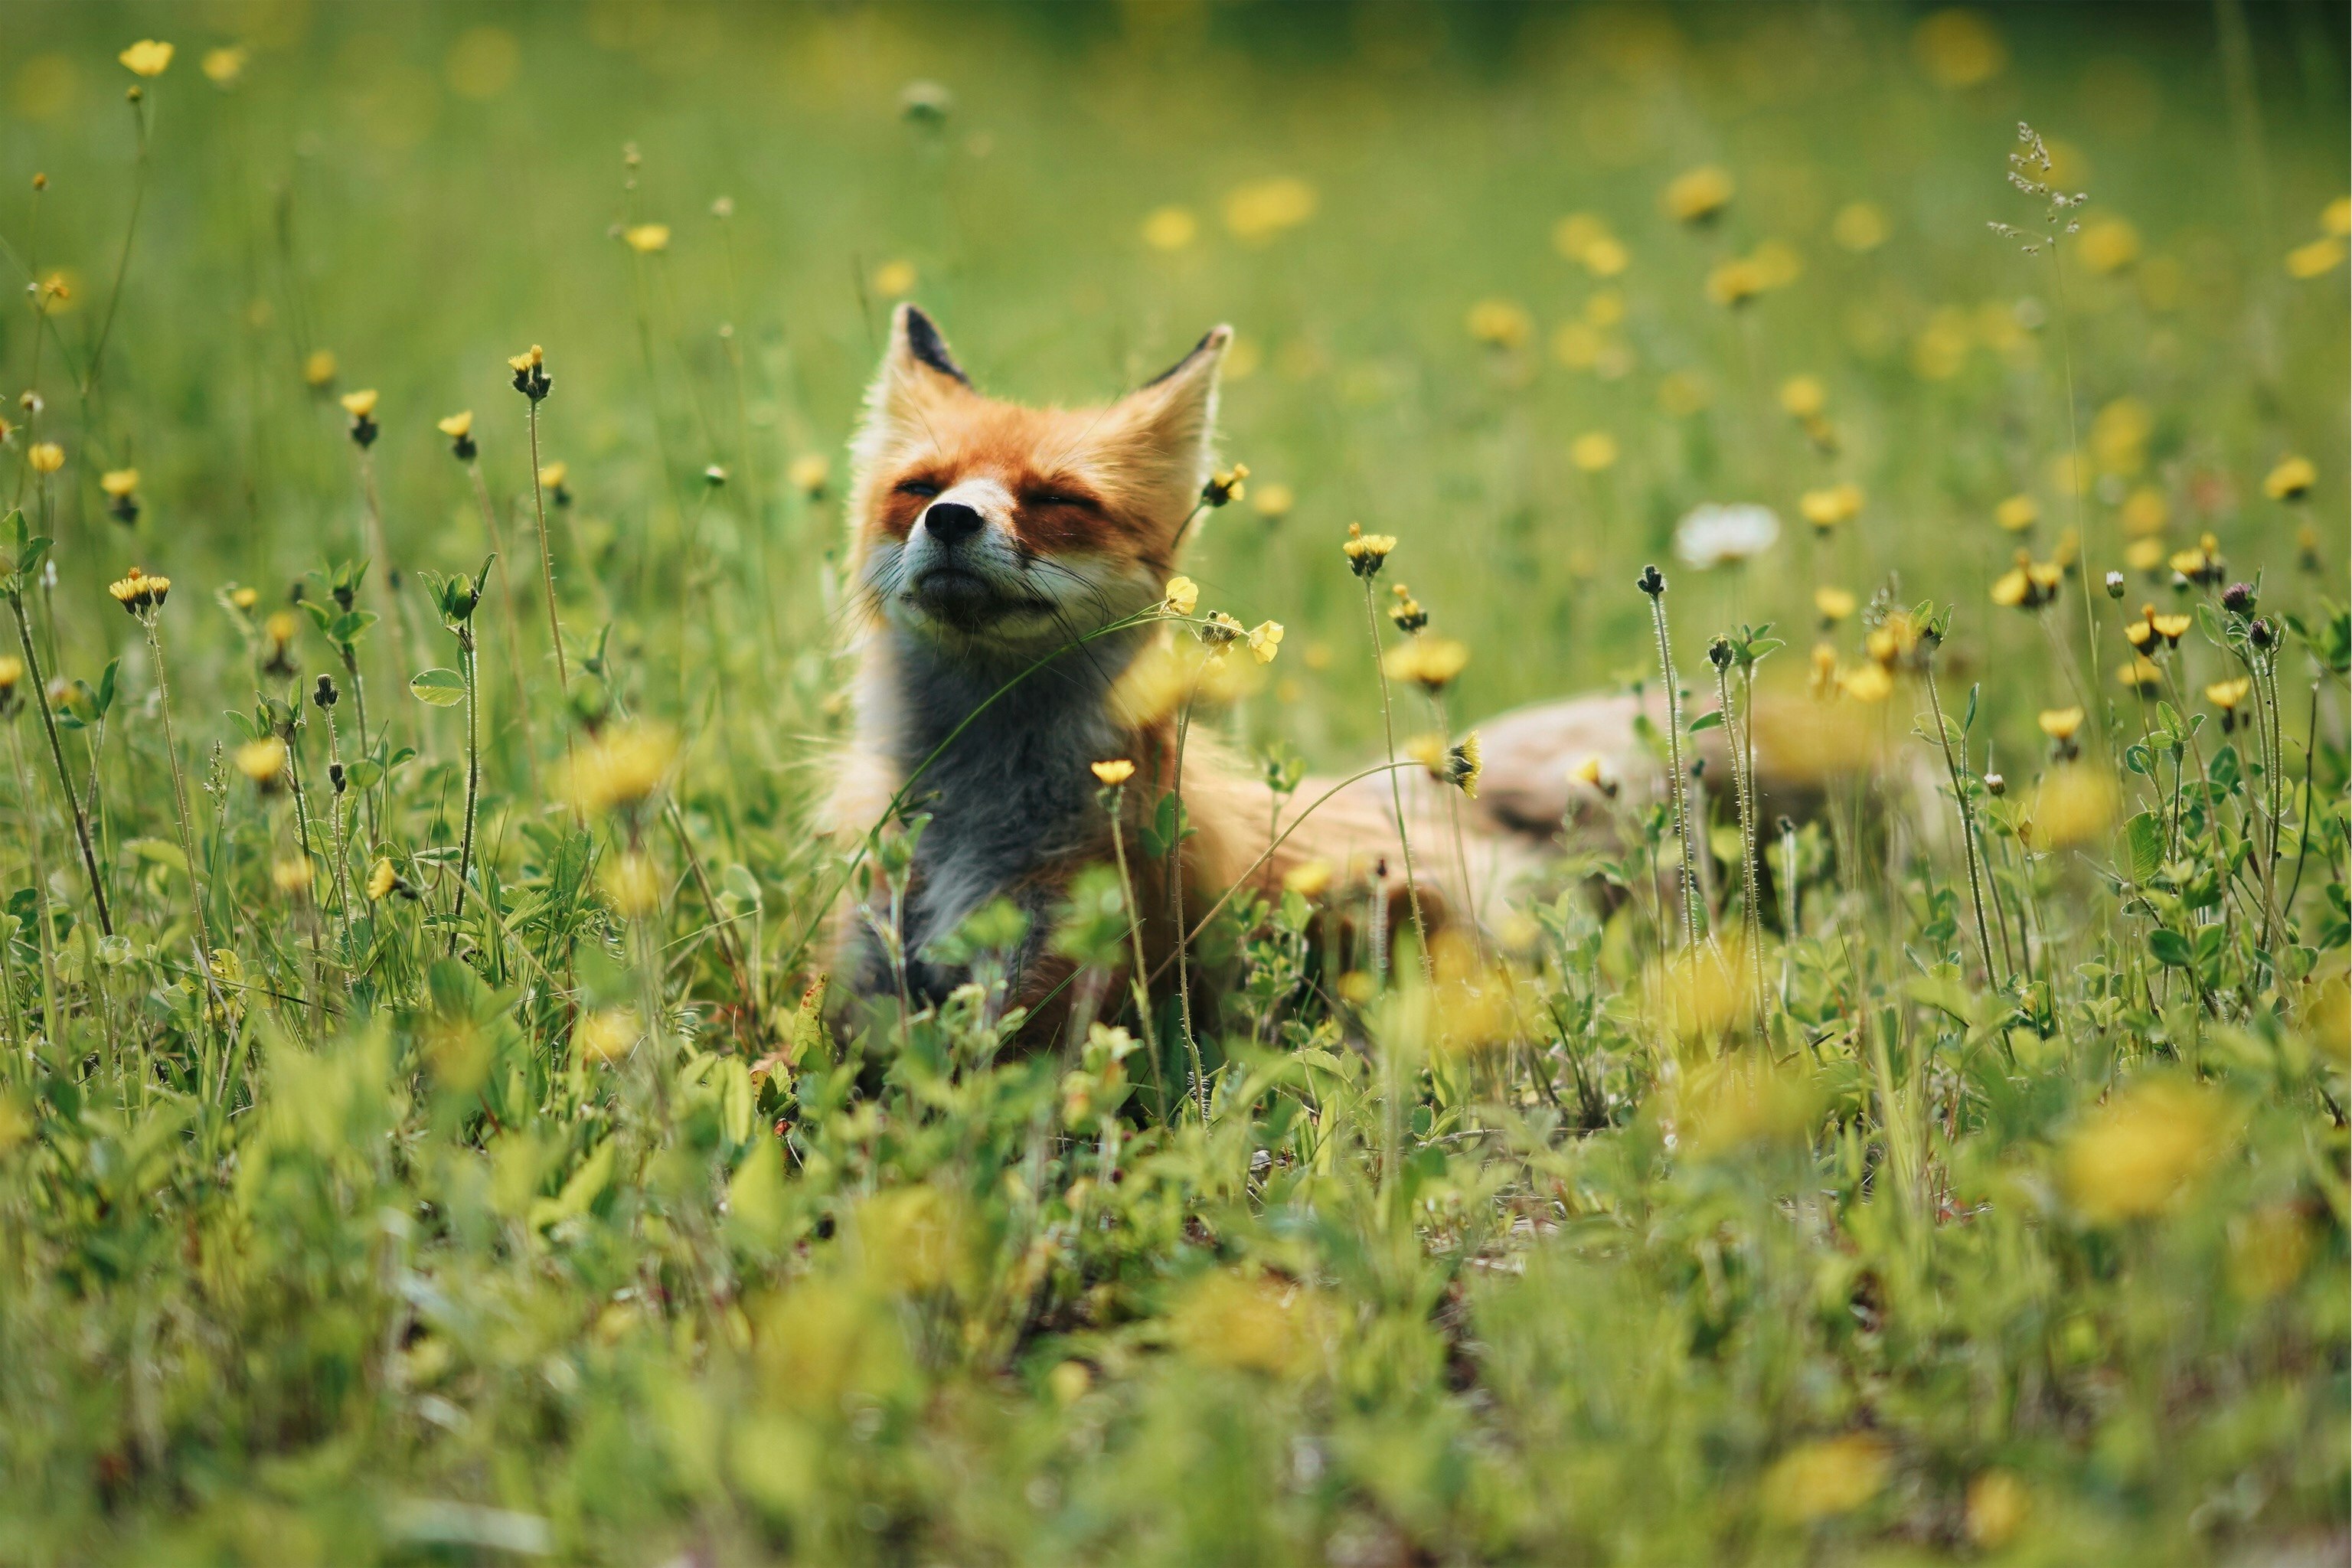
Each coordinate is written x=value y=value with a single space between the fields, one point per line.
x=14 y=591
x=1652 y=583
x=1396 y=788
x=1963 y=797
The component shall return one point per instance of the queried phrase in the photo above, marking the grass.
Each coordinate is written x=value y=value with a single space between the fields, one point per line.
x=424 y=1135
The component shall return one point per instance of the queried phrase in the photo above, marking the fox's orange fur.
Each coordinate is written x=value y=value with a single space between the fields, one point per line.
x=987 y=537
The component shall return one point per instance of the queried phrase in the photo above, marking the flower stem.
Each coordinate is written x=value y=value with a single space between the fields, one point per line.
x=57 y=756
x=1396 y=789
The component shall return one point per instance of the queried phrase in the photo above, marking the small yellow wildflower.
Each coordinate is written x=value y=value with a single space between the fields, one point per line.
x=360 y=404
x=1266 y=640
x=1698 y=194
x=2016 y=513
x=2133 y=1154
x=1501 y=323
x=146 y=57
x=2291 y=479
x=630 y=880
x=319 y=368
x=1171 y=228
x=1308 y=878
x=894 y=280
x=1825 y=508
x=2227 y=694
x=262 y=761
x=1273 y=501
x=1367 y=552
x=1996 y=1509
x=2335 y=217
x=1182 y=595
x=291 y=876
x=1429 y=662
x=530 y=359
x=1803 y=397
x=1593 y=451
x=2108 y=245
x=2143 y=554
x=1260 y=209
x=1834 y=604
x=457 y=426
x=809 y=473
x=2139 y=673
x=245 y=598
x=1458 y=765
x=224 y=65
x=119 y=482
x=1858 y=227
x=1116 y=771
x=552 y=475
x=646 y=239
x=621 y=767
x=2060 y=723
x=1735 y=282
x=2316 y=259
x=607 y=1035
x=381 y=879
x=1869 y=683
x=45 y=457
x=137 y=591
x=2172 y=628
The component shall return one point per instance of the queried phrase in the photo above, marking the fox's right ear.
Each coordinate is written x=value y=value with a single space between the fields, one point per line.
x=917 y=379
x=916 y=347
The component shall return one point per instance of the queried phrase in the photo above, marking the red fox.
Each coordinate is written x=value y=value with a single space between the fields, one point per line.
x=987 y=541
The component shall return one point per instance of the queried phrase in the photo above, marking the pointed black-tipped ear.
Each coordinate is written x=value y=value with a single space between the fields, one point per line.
x=1205 y=354
x=915 y=335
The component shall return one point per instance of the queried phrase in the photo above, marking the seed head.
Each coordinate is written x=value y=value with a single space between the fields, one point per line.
x=1652 y=581
x=324 y=694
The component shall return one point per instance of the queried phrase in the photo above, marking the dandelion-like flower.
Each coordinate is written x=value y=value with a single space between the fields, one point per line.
x=222 y=66
x=1430 y=663
x=1367 y=552
x=45 y=457
x=646 y=239
x=140 y=594
x=291 y=875
x=2016 y=513
x=121 y=487
x=147 y=58
x=1225 y=486
x=1697 y=196
x=263 y=761
x=1593 y=774
x=1593 y=452
x=1868 y=683
x=1803 y=397
x=621 y=768
x=1458 y=765
x=809 y=473
x=460 y=428
x=1113 y=772
x=2139 y=673
x=530 y=377
x=1181 y=596
x=1833 y=604
x=1713 y=535
x=2226 y=695
x=1501 y=323
x=1273 y=501
x=1407 y=613
x=1825 y=508
x=552 y=478
x=2203 y=564
x=2291 y=479
x=2029 y=585
x=12 y=677
x=319 y=368
x=382 y=880
x=361 y=406
x=1735 y=282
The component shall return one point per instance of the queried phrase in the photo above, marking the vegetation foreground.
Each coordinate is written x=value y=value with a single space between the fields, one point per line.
x=427 y=1132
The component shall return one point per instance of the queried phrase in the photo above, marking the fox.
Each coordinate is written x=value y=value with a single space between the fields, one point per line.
x=999 y=560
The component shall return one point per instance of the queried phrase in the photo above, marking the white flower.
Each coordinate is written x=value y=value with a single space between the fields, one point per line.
x=1712 y=535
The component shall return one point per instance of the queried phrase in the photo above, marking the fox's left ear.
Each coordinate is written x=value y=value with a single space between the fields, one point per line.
x=1165 y=426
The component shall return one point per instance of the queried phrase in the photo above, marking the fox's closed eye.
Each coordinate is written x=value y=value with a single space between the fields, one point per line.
x=923 y=487
x=1060 y=498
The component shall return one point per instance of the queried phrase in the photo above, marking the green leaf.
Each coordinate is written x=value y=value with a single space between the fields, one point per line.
x=2144 y=835
x=1706 y=721
x=362 y=774
x=158 y=852
x=441 y=688
x=2169 y=947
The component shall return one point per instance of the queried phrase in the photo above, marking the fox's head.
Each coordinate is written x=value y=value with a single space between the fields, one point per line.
x=987 y=527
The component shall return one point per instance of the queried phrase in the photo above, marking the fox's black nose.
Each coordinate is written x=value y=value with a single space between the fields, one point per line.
x=951 y=521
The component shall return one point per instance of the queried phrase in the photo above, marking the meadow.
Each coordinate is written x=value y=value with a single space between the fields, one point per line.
x=426 y=1134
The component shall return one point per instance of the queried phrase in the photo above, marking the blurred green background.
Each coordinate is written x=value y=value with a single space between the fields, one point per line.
x=1077 y=191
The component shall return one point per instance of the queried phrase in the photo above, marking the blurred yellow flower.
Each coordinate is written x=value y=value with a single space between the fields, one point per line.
x=915 y=1239
x=1834 y=604
x=2140 y=673
x=1996 y=1509
x=1736 y=1102
x=262 y=761
x=457 y=426
x=2144 y=511
x=1308 y=878
x=1869 y=683
x=1776 y=264
x=2335 y=217
x=1260 y=209
x=1181 y=596
x=1429 y=662
x=1734 y=283
x=224 y=65
x=359 y=404
x=380 y=880
x=119 y=482
x=552 y=475
x=632 y=884
x=2132 y=1155
x=2269 y=1249
x=45 y=457
x=1697 y=195
x=894 y=280
x=1803 y=396
x=2017 y=513
x=620 y=767
x=1117 y=771
x=606 y=1035
x=2227 y=694
x=1606 y=257
x=1825 y=508
x=1250 y=1324
x=1273 y=501
x=1266 y=640
x=2060 y=723
x=2074 y=804
x=1823 y=1479
x=2143 y=554
x=1682 y=392
x=319 y=368
x=1171 y=228
x=1858 y=227
x=1958 y=48
x=291 y=875
x=2316 y=259
x=2108 y=245
x=1501 y=323
x=1593 y=451
x=146 y=57
x=2291 y=479
x=646 y=239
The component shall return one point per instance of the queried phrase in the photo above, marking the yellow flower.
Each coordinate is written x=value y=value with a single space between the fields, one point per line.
x=222 y=66
x=1117 y=771
x=1803 y=396
x=1823 y=681
x=1825 y=508
x=245 y=598
x=380 y=880
x=1735 y=282
x=2144 y=511
x=457 y=426
x=1273 y=501
x=894 y=280
x=2291 y=480
x=359 y=404
x=262 y=761
x=530 y=358
x=1575 y=235
x=1606 y=257
x=631 y=882
x=2109 y=244
x=2060 y=723
x=1266 y=640
x=1834 y=604
x=1858 y=227
x=606 y=1035
x=809 y=472
x=291 y=876
x=12 y=670
x=1823 y=1479
x=1958 y=47
x=119 y=482
x=1430 y=662
x=2335 y=217
x=1262 y=1324
x=552 y=475
x=1697 y=195
x=137 y=591
x=2227 y=694
x=2143 y=554
x=1869 y=683
x=319 y=368
x=1501 y=323
x=1593 y=451
x=2172 y=628
x=2133 y=1154
x=45 y=457
x=2073 y=804
x=2139 y=673
x=146 y=57
x=1169 y=228
x=2017 y=513
x=1996 y=1508
x=1261 y=209
x=280 y=627
x=1308 y=878
x=1366 y=551
x=2029 y=585
x=2316 y=259
x=1588 y=771
x=646 y=239
x=621 y=767
x=1458 y=765
x=1182 y=595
